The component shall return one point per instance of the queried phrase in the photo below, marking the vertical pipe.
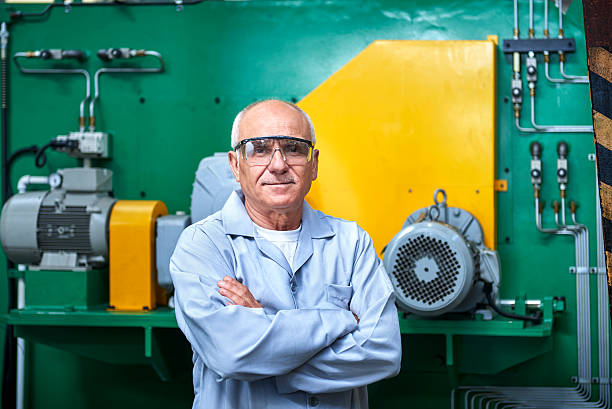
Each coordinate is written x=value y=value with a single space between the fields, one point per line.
x=515 y=33
x=531 y=32
x=560 y=18
x=546 y=21
x=21 y=347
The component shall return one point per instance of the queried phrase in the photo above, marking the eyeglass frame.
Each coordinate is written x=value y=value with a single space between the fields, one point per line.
x=259 y=138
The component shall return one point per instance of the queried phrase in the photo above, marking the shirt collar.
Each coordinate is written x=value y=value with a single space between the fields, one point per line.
x=236 y=220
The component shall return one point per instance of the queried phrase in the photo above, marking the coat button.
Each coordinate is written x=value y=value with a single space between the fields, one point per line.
x=293 y=286
x=313 y=401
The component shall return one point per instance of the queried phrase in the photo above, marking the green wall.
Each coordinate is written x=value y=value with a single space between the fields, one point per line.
x=221 y=56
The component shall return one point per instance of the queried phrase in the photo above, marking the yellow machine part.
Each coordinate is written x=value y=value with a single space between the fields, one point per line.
x=133 y=275
x=400 y=120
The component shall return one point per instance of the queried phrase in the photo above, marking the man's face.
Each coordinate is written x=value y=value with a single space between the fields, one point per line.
x=277 y=186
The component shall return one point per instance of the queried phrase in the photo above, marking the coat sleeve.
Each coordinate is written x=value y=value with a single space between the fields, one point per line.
x=234 y=341
x=366 y=355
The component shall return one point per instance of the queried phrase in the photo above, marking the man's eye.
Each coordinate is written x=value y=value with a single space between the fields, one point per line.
x=291 y=147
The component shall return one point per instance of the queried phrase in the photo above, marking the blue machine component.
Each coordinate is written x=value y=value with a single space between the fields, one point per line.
x=169 y=229
x=213 y=184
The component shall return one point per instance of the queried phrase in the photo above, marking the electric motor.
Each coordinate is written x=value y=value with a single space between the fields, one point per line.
x=438 y=262
x=64 y=228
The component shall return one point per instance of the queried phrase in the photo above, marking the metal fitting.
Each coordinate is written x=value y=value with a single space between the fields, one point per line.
x=532 y=67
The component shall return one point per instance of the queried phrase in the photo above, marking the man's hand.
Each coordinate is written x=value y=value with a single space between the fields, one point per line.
x=237 y=293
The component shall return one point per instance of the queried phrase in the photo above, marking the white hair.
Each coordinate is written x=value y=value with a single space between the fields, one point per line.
x=236 y=124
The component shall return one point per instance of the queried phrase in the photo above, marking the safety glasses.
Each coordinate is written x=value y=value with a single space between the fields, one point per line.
x=261 y=150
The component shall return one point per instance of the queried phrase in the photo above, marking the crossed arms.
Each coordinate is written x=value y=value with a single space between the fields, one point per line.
x=315 y=350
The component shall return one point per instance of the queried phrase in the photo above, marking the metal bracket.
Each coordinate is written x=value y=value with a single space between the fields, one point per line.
x=579 y=270
x=591 y=157
x=538 y=45
x=598 y=270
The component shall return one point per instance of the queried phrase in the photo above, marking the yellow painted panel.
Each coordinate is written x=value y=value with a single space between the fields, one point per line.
x=400 y=120
x=133 y=275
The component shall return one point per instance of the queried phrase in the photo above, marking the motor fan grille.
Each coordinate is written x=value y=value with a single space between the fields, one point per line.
x=426 y=291
x=431 y=267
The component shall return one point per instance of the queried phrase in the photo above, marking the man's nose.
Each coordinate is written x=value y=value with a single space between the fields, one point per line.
x=277 y=163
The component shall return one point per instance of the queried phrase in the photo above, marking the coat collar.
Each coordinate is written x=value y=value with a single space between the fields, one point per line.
x=236 y=220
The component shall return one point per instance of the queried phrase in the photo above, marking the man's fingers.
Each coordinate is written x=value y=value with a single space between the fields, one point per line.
x=231 y=284
x=234 y=286
x=236 y=299
x=237 y=292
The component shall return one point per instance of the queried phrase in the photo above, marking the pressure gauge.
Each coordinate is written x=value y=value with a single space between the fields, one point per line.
x=55 y=180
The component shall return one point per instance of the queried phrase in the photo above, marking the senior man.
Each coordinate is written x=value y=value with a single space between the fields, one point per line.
x=284 y=306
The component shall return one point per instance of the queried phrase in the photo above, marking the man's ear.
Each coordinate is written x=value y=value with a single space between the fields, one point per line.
x=315 y=164
x=232 y=157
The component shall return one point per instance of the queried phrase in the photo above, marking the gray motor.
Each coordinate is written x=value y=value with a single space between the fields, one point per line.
x=64 y=228
x=438 y=262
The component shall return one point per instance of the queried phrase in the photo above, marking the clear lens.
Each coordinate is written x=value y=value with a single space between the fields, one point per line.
x=259 y=152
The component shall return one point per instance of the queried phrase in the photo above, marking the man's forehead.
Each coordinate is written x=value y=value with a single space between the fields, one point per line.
x=273 y=117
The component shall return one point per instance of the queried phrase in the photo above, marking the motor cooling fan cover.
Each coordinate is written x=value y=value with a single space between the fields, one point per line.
x=431 y=266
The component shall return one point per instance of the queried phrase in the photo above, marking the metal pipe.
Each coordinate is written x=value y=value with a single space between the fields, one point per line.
x=531 y=32
x=560 y=18
x=92 y=103
x=515 y=33
x=530 y=304
x=556 y=128
x=80 y=71
x=603 y=303
x=520 y=128
x=578 y=79
x=558 y=397
x=26 y=180
x=546 y=21
x=557 y=80
x=21 y=345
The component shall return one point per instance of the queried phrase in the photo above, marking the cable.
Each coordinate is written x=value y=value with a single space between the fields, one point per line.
x=41 y=159
x=15 y=155
x=19 y=14
x=21 y=152
x=488 y=287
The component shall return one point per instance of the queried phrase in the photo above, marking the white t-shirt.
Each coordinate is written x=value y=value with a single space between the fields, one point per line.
x=285 y=240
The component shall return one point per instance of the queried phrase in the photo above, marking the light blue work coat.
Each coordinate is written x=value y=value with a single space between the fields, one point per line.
x=304 y=349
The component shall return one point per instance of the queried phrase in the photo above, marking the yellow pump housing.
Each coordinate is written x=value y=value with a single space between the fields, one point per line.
x=133 y=275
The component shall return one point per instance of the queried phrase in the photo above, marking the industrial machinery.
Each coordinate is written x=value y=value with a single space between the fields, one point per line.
x=438 y=262
x=68 y=227
x=62 y=228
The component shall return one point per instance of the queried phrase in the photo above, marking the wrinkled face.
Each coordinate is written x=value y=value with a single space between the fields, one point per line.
x=276 y=186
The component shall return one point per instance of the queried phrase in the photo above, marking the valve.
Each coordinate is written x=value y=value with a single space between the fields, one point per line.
x=562 y=169
x=536 y=165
